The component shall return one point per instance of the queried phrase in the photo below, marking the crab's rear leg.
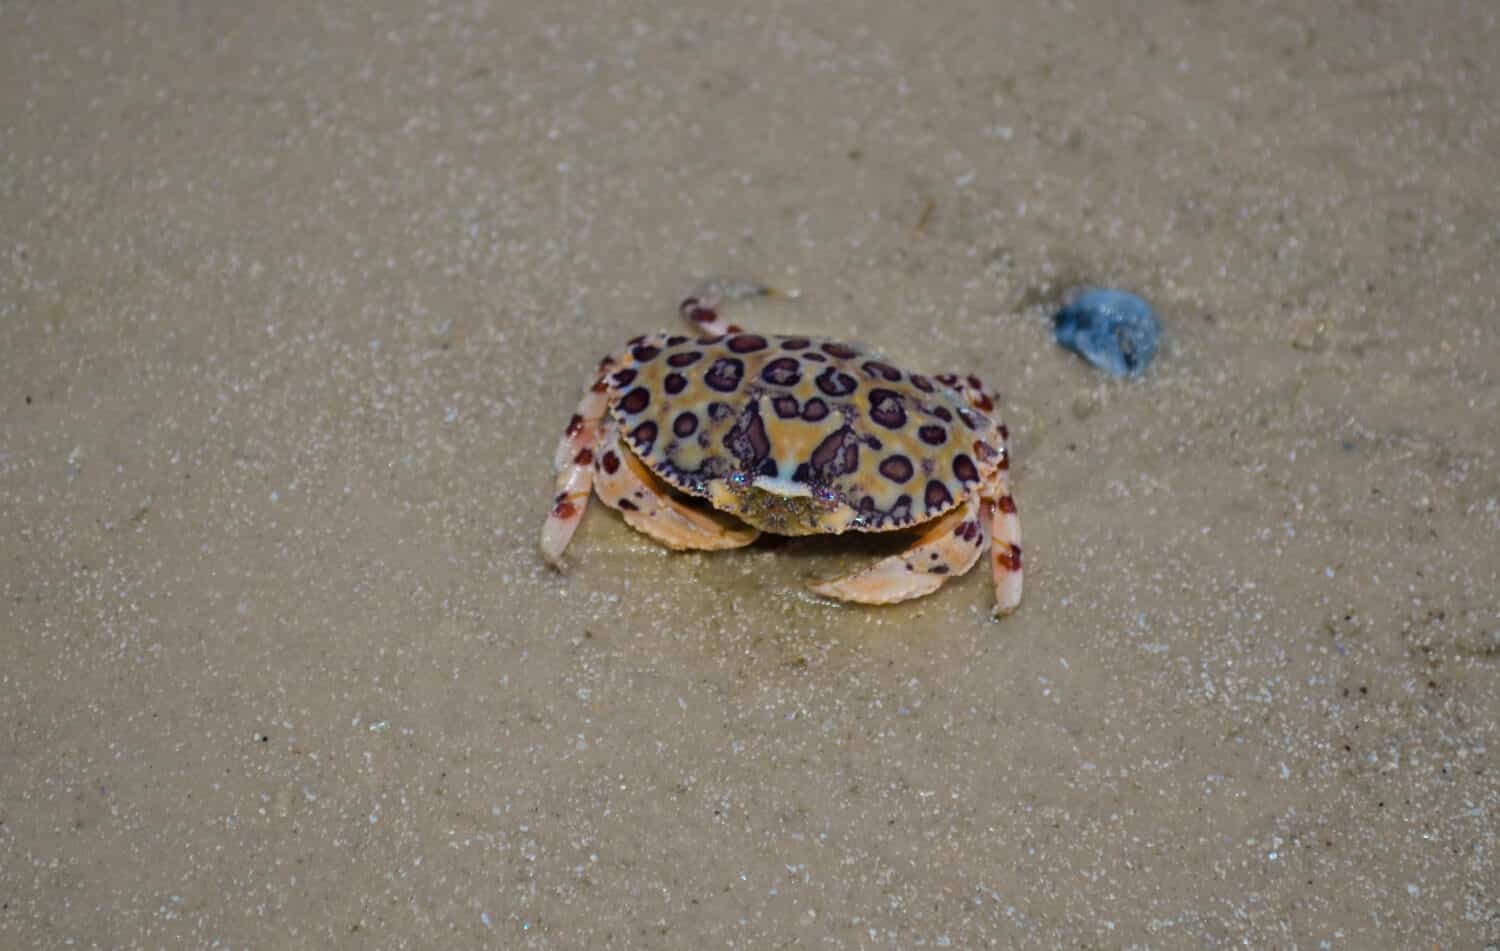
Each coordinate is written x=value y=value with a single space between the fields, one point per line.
x=574 y=461
x=574 y=458
x=1005 y=525
x=624 y=483
x=1000 y=507
x=701 y=307
x=949 y=548
x=1005 y=549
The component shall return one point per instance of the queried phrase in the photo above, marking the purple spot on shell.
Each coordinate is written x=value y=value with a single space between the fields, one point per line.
x=746 y=343
x=884 y=370
x=624 y=377
x=755 y=433
x=937 y=497
x=725 y=374
x=748 y=440
x=814 y=410
x=674 y=383
x=835 y=382
x=796 y=343
x=837 y=454
x=785 y=406
x=941 y=412
x=636 y=400
x=896 y=468
x=685 y=358
x=933 y=435
x=814 y=357
x=827 y=450
x=921 y=382
x=675 y=341
x=901 y=511
x=886 y=408
x=840 y=350
x=967 y=417
x=644 y=354
x=685 y=425
x=783 y=371
x=644 y=435
x=963 y=469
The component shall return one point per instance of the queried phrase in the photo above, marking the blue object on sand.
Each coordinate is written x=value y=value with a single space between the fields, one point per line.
x=1114 y=330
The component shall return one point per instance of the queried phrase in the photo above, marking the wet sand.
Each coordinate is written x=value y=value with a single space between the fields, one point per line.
x=296 y=300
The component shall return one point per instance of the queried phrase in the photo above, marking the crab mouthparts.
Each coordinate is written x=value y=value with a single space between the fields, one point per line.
x=782 y=506
x=786 y=488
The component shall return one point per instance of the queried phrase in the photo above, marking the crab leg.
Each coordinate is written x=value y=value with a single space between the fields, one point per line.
x=1005 y=548
x=971 y=389
x=624 y=483
x=1005 y=524
x=946 y=550
x=701 y=307
x=575 y=474
x=574 y=459
x=1000 y=506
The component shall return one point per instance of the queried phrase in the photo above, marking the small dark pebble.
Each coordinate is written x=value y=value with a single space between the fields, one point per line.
x=1114 y=330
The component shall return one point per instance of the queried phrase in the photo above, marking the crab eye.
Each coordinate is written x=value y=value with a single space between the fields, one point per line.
x=739 y=479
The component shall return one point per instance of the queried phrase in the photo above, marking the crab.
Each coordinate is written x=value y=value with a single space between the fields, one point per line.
x=704 y=441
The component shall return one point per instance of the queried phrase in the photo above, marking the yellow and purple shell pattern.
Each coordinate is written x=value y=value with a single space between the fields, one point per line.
x=799 y=435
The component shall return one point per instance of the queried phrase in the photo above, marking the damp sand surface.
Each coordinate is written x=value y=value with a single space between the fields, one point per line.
x=295 y=300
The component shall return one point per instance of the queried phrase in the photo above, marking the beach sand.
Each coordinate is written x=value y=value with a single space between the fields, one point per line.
x=295 y=300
